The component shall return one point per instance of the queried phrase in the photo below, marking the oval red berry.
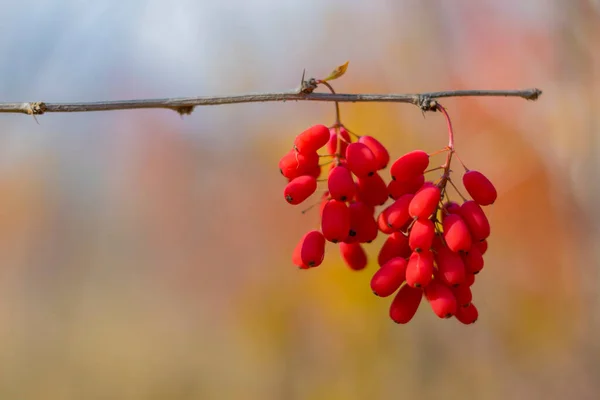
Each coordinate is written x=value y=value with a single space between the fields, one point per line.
x=475 y=219
x=379 y=151
x=425 y=201
x=372 y=190
x=419 y=270
x=361 y=160
x=451 y=269
x=294 y=164
x=456 y=233
x=389 y=277
x=421 y=235
x=410 y=165
x=340 y=184
x=299 y=189
x=396 y=245
x=312 y=250
x=353 y=255
x=396 y=189
x=441 y=299
x=312 y=139
x=335 y=221
x=481 y=190
x=405 y=304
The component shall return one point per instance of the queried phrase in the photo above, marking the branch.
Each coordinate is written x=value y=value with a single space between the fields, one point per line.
x=185 y=105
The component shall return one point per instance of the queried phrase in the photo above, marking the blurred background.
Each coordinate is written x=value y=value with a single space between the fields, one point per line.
x=147 y=256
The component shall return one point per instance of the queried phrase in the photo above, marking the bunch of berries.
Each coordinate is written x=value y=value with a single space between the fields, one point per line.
x=434 y=246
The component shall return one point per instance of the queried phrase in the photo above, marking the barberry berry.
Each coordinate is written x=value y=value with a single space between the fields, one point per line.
x=473 y=260
x=312 y=249
x=299 y=189
x=481 y=190
x=475 y=219
x=335 y=221
x=467 y=315
x=425 y=201
x=312 y=139
x=340 y=183
x=456 y=233
x=396 y=245
x=294 y=164
x=396 y=189
x=389 y=277
x=421 y=235
x=379 y=151
x=419 y=270
x=396 y=214
x=451 y=269
x=409 y=165
x=372 y=190
x=353 y=255
x=405 y=304
x=361 y=160
x=441 y=299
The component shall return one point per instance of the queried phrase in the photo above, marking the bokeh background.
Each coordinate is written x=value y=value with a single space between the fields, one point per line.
x=147 y=256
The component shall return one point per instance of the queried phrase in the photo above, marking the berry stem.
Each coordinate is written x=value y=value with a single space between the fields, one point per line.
x=449 y=123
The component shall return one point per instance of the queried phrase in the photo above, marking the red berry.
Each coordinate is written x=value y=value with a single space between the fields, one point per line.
x=294 y=164
x=482 y=246
x=481 y=190
x=340 y=183
x=421 y=235
x=335 y=221
x=410 y=165
x=425 y=201
x=467 y=315
x=314 y=171
x=372 y=190
x=463 y=295
x=312 y=250
x=441 y=299
x=405 y=304
x=396 y=214
x=389 y=277
x=396 y=245
x=475 y=219
x=451 y=269
x=469 y=279
x=382 y=224
x=312 y=139
x=297 y=255
x=361 y=160
x=473 y=260
x=452 y=207
x=363 y=226
x=456 y=233
x=379 y=151
x=353 y=255
x=419 y=270
x=396 y=189
x=299 y=189
x=333 y=141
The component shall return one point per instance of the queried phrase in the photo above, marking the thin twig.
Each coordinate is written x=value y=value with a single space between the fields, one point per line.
x=185 y=105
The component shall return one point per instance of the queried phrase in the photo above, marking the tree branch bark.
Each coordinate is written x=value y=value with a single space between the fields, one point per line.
x=185 y=105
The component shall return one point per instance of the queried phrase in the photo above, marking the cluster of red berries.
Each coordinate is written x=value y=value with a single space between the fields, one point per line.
x=434 y=246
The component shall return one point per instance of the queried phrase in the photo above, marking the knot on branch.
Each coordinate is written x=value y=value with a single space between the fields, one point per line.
x=307 y=87
x=426 y=103
x=36 y=108
x=534 y=94
x=184 y=110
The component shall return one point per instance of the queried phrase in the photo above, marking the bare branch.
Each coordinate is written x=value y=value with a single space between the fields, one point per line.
x=185 y=105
